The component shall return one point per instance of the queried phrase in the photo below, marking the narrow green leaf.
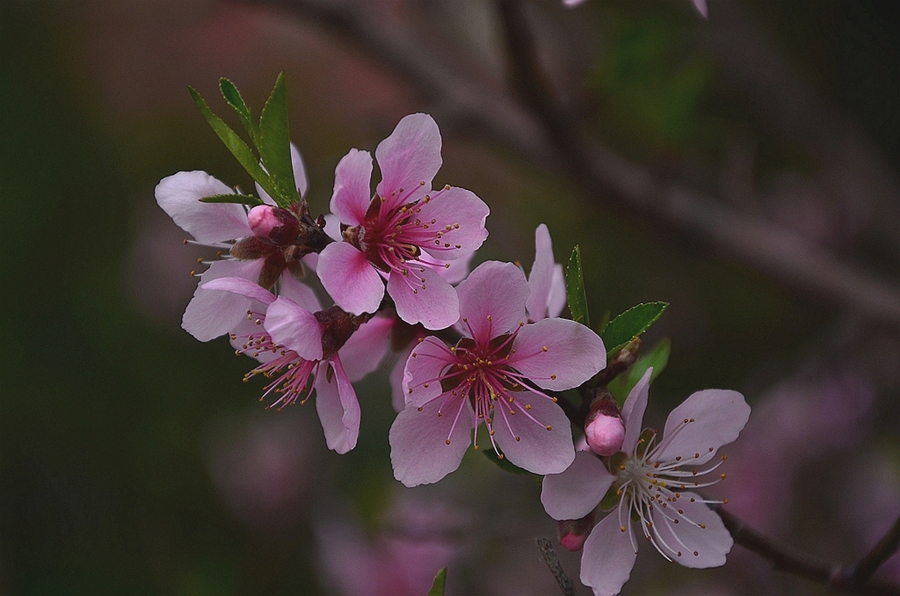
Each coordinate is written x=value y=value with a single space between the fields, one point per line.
x=234 y=99
x=504 y=463
x=575 y=293
x=235 y=198
x=275 y=145
x=437 y=588
x=631 y=324
x=658 y=357
x=235 y=144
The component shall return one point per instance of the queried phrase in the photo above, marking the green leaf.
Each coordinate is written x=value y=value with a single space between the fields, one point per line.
x=631 y=324
x=275 y=145
x=437 y=588
x=575 y=293
x=234 y=99
x=658 y=357
x=235 y=198
x=235 y=144
x=504 y=463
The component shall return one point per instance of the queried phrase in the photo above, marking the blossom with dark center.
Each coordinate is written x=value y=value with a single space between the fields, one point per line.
x=494 y=375
x=405 y=226
x=655 y=484
x=304 y=349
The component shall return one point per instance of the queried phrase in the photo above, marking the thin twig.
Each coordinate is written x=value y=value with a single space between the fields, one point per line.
x=548 y=555
x=869 y=564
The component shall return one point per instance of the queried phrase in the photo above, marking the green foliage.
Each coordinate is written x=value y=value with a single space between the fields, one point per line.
x=235 y=198
x=575 y=293
x=437 y=588
x=630 y=324
x=505 y=463
x=271 y=138
x=658 y=357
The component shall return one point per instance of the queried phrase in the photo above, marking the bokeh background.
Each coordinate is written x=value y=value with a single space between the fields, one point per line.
x=133 y=459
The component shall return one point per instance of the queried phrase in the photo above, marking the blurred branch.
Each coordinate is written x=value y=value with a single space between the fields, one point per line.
x=869 y=564
x=838 y=578
x=549 y=556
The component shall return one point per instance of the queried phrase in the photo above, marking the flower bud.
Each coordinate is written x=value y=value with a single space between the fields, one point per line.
x=573 y=532
x=603 y=429
x=278 y=226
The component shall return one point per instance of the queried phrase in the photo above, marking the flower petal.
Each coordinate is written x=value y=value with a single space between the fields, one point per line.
x=302 y=295
x=337 y=406
x=706 y=536
x=212 y=313
x=424 y=297
x=408 y=158
x=456 y=223
x=366 y=347
x=633 y=412
x=608 y=556
x=540 y=280
x=294 y=328
x=716 y=417
x=179 y=195
x=352 y=193
x=426 y=363
x=576 y=491
x=419 y=437
x=524 y=436
x=556 y=302
x=241 y=286
x=492 y=300
x=349 y=278
x=558 y=354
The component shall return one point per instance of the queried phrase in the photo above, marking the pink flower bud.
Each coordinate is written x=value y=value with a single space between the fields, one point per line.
x=278 y=226
x=573 y=532
x=605 y=434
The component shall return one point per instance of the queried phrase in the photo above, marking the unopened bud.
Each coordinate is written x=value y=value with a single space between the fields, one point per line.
x=573 y=532
x=278 y=226
x=603 y=429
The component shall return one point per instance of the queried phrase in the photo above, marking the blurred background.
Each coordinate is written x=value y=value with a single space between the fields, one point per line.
x=743 y=168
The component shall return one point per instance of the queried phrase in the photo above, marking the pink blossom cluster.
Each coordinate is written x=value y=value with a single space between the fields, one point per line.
x=482 y=355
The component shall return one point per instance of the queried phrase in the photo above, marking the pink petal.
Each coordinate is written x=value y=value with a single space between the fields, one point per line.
x=492 y=300
x=409 y=157
x=558 y=354
x=349 y=278
x=540 y=280
x=302 y=295
x=426 y=362
x=538 y=450
x=711 y=543
x=460 y=211
x=419 y=450
x=251 y=326
x=633 y=412
x=338 y=407
x=717 y=418
x=556 y=302
x=241 y=286
x=294 y=328
x=453 y=271
x=352 y=193
x=608 y=557
x=575 y=492
x=212 y=313
x=299 y=177
x=179 y=195
x=398 y=393
x=366 y=347
x=423 y=297
x=700 y=5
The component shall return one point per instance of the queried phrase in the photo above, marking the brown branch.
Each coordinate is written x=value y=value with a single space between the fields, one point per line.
x=869 y=564
x=550 y=558
x=834 y=576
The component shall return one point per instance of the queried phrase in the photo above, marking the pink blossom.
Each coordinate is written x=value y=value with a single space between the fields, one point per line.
x=546 y=282
x=489 y=376
x=405 y=226
x=651 y=482
x=221 y=225
x=294 y=339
